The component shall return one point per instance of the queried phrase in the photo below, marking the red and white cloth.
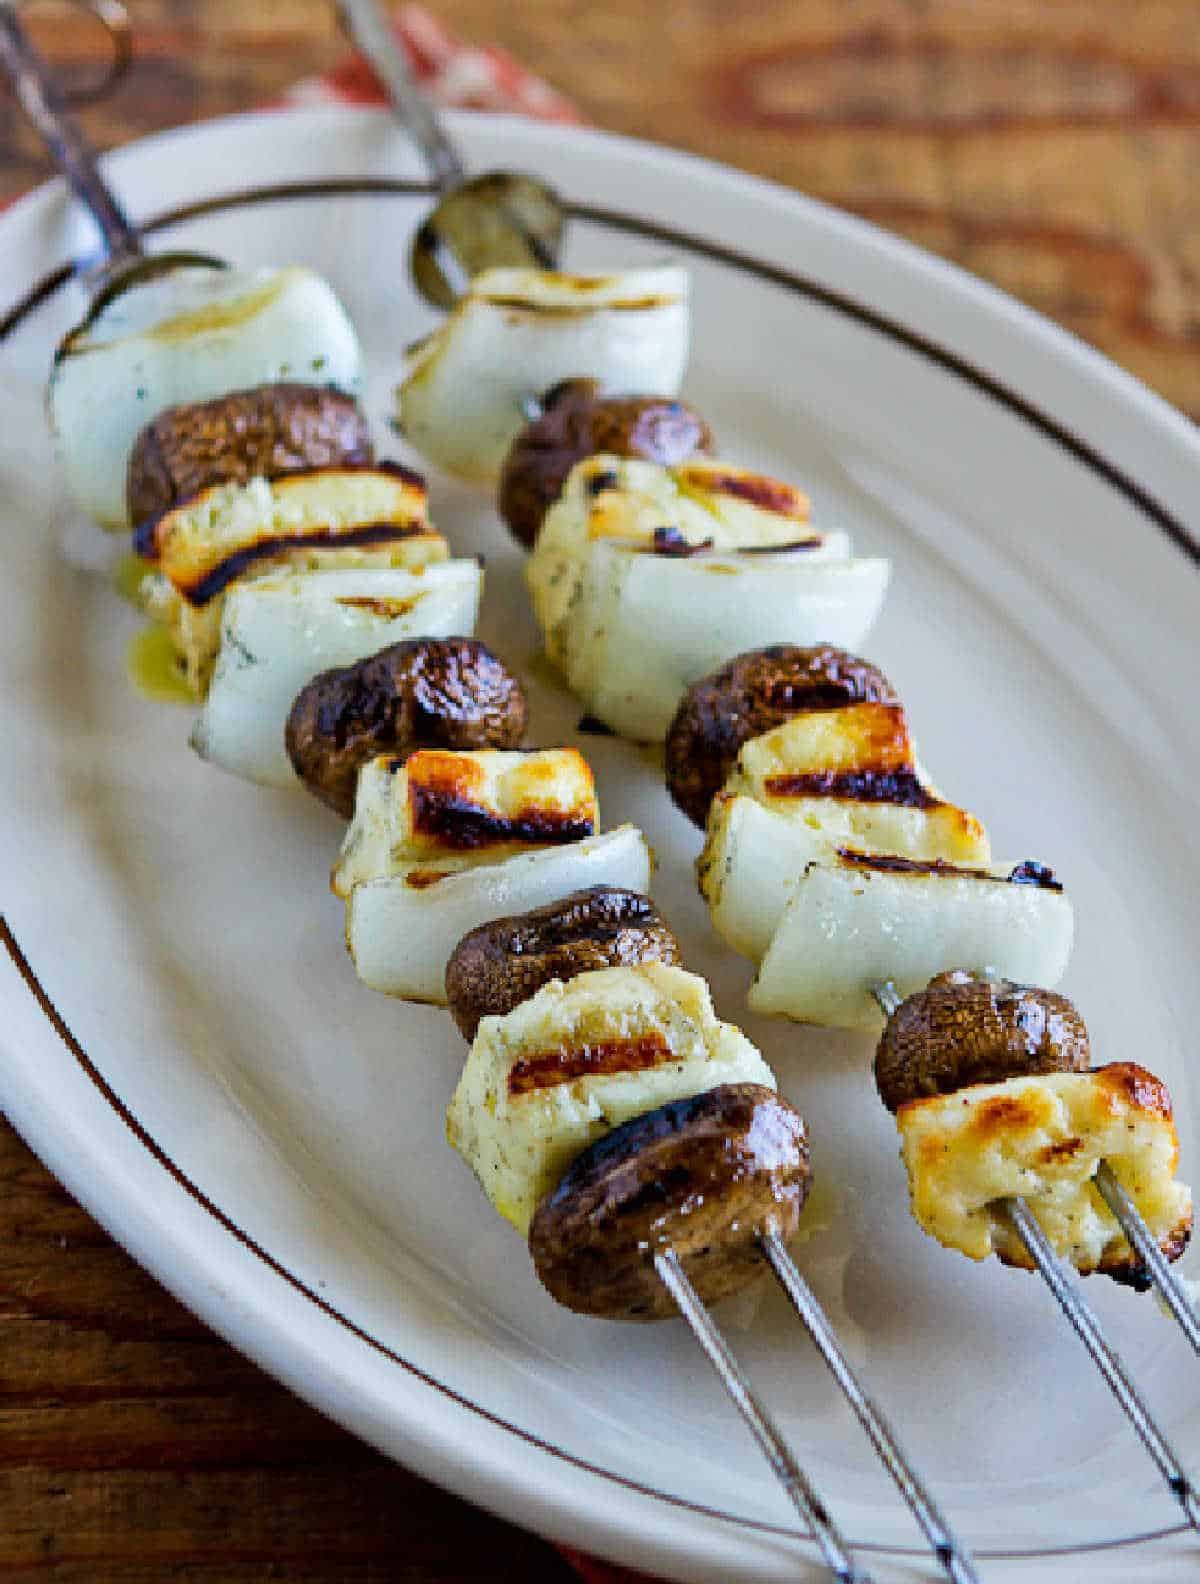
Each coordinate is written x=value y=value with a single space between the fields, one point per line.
x=452 y=73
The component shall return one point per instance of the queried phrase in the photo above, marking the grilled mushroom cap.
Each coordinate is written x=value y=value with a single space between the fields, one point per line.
x=578 y=422
x=262 y=432
x=964 y=1029
x=423 y=693
x=497 y=966
x=704 y=1175
x=752 y=694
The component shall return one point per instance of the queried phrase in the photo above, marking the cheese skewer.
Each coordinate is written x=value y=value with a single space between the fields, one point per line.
x=1083 y=1318
x=639 y=1144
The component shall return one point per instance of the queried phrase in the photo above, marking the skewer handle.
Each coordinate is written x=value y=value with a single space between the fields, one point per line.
x=1087 y=1327
x=45 y=105
x=953 y=1556
x=795 y=1482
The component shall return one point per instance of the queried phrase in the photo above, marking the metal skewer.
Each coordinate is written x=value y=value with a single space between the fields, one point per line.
x=953 y=1556
x=1083 y=1318
x=791 y=1476
x=1113 y=1191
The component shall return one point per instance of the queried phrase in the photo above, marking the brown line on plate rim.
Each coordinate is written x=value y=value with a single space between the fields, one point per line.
x=49 y=285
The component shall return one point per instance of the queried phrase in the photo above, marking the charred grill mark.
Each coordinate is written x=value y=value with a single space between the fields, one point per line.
x=231 y=567
x=670 y=541
x=387 y=609
x=1035 y=874
x=569 y=310
x=766 y=493
x=456 y=821
x=894 y=864
x=902 y=787
x=814 y=542
x=589 y=1060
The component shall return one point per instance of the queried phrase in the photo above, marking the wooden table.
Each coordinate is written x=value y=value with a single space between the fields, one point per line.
x=1051 y=148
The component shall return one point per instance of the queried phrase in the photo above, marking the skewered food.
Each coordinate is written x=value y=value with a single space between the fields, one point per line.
x=574 y=1061
x=830 y=859
x=705 y=1176
x=185 y=337
x=421 y=693
x=278 y=631
x=442 y=842
x=968 y=1029
x=519 y=332
x=1037 y=1126
x=644 y=578
x=576 y=421
x=502 y=963
x=325 y=518
x=749 y=696
x=259 y=433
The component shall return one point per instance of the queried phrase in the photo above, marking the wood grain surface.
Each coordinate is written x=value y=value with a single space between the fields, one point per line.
x=1052 y=148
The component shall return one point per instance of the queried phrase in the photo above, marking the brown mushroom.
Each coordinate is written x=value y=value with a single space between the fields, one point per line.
x=704 y=1176
x=497 y=966
x=263 y=432
x=577 y=422
x=752 y=694
x=423 y=693
x=965 y=1029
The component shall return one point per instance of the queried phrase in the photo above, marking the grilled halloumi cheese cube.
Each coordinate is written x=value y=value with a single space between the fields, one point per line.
x=863 y=917
x=314 y=520
x=278 y=632
x=186 y=337
x=517 y=333
x=1042 y=1138
x=576 y=1060
x=444 y=810
x=851 y=775
x=610 y=498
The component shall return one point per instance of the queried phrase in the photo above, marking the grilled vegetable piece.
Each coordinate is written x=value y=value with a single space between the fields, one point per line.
x=189 y=336
x=865 y=917
x=518 y=332
x=502 y=963
x=425 y=692
x=325 y=518
x=577 y=422
x=1042 y=1137
x=704 y=1176
x=277 y=631
x=966 y=1029
x=575 y=1061
x=272 y=429
x=402 y=929
x=750 y=695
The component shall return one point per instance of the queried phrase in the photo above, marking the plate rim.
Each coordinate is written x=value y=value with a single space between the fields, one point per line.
x=1093 y=365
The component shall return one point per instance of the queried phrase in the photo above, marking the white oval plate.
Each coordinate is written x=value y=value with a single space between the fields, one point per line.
x=266 y=1135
